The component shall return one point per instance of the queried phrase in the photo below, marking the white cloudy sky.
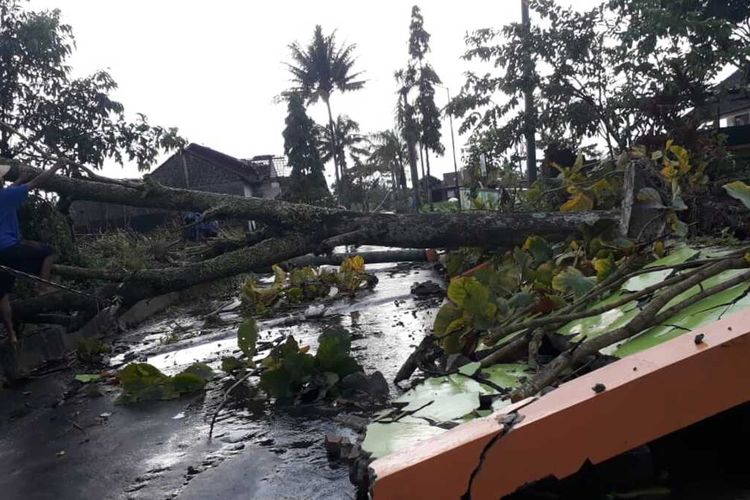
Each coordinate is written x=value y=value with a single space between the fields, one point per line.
x=213 y=68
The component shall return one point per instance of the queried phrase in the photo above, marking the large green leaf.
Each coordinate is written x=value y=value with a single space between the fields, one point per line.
x=142 y=382
x=247 y=337
x=739 y=191
x=594 y=326
x=383 y=439
x=506 y=375
x=571 y=279
x=540 y=250
x=691 y=318
x=446 y=320
x=469 y=294
x=677 y=256
x=187 y=382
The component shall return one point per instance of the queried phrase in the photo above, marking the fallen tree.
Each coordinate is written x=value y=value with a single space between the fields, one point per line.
x=298 y=230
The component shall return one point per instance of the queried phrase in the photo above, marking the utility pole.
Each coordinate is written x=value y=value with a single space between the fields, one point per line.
x=453 y=147
x=530 y=125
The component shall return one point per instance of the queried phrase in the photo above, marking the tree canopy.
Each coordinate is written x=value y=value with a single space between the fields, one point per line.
x=614 y=74
x=73 y=116
x=307 y=183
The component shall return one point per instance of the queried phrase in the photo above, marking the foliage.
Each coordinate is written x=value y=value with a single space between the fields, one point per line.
x=123 y=249
x=74 y=116
x=322 y=67
x=291 y=371
x=247 y=337
x=621 y=71
x=307 y=184
x=739 y=191
x=348 y=139
x=319 y=69
x=388 y=151
x=533 y=279
x=305 y=285
x=426 y=79
x=41 y=221
x=89 y=350
x=142 y=382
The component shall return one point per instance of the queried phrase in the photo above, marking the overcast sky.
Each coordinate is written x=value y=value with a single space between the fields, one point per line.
x=213 y=68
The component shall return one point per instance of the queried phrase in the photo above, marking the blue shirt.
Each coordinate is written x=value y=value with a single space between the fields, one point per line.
x=11 y=199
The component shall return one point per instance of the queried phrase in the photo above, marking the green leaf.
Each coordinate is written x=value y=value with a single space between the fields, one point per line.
x=469 y=294
x=383 y=439
x=279 y=276
x=739 y=191
x=678 y=204
x=88 y=377
x=143 y=382
x=230 y=364
x=571 y=279
x=649 y=198
x=202 y=370
x=247 y=337
x=645 y=280
x=186 y=382
x=594 y=326
x=333 y=356
x=540 y=250
x=506 y=375
x=470 y=369
x=445 y=317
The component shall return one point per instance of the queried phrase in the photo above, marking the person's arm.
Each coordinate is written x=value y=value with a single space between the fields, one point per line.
x=44 y=176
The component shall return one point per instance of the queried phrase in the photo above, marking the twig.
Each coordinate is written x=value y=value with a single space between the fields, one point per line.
x=555 y=319
x=226 y=397
x=648 y=317
x=58 y=157
x=21 y=274
x=508 y=352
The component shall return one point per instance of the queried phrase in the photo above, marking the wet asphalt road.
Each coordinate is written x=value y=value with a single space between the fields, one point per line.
x=83 y=447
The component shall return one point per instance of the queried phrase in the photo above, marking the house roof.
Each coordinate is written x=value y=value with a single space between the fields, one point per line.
x=251 y=171
x=734 y=94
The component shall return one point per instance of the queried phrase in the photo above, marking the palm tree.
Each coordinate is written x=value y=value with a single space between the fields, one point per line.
x=348 y=139
x=389 y=150
x=320 y=68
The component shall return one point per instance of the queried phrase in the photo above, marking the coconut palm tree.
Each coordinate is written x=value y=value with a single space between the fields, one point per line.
x=389 y=149
x=347 y=140
x=321 y=68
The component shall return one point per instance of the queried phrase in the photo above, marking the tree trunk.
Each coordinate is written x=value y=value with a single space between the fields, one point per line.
x=429 y=176
x=300 y=230
x=334 y=148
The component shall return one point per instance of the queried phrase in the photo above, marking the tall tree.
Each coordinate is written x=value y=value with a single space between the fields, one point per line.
x=72 y=116
x=426 y=79
x=307 y=184
x=408 y=126
x=624 y=70
x=348 y=141
x=320 y=68
x=388 y=149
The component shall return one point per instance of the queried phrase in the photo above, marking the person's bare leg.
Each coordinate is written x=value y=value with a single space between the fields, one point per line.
x=45 y=272
x=7 y=316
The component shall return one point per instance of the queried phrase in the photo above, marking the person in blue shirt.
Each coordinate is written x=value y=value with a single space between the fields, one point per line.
x=15 y=252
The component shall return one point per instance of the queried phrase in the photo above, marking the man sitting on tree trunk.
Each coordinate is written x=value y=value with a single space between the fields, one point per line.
x=26 y=256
